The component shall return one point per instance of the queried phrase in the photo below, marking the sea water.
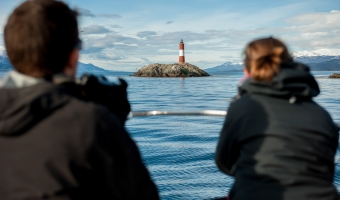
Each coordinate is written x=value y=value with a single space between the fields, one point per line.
x=179 y=150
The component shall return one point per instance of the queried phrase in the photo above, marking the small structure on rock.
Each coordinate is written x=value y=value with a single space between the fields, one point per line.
x=180 y=69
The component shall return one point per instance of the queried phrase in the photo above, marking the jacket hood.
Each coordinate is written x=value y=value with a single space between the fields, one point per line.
x=21 y=108
x=293 y=80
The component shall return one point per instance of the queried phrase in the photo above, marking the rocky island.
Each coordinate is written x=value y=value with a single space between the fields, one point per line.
x=180 y=69
x=335 y=75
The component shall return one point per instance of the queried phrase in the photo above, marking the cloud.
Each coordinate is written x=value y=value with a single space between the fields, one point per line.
x=333 y=52
x=93 y=49
x=116 y=26
x=95 y=29
x=113 y=16
x=85 y=12
x=152 y=43
x=316 y=21
x=110 y=40
x=108 y=56
x=146 y=60
x=169 y=22
x=208 y=48
x=143 y=34
x=171 y=38
x=96 y=44
x=313 y=31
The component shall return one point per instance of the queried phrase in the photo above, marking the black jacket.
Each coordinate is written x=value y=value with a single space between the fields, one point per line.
x=277 y=142
x=55 y=146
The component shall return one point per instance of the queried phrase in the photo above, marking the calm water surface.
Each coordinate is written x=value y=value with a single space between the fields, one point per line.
x=179 y=150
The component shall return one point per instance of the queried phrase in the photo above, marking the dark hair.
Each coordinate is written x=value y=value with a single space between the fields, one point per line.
x=40 y=35
x=264 y=56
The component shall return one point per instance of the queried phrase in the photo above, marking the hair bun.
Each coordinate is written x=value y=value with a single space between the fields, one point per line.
x=275 y=56
x=264 y=57
x=272 y=56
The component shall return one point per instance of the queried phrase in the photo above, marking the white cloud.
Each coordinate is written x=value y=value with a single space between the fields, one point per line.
x=144 y=34
x=95 y=29
x=211 y=38
x=113 y=16
x=146 y=60
x=216 y=38
x=314 y=31
x=97 y=44
x=332 y=52
x=116 y=26
x=108 y=55
x=85 y=12
x=316 y=21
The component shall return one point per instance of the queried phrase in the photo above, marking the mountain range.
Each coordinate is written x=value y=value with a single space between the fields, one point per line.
x=83 y=68
x=316 y=62
x=226 y=67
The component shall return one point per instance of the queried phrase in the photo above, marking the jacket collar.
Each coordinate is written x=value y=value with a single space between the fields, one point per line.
x=293 y=80
x=15 y=79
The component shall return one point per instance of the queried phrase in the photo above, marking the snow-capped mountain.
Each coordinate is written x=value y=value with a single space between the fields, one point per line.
x=318 y=62
x=305 y=54
x=226 y=67
x=312 y=57
x=315 y=61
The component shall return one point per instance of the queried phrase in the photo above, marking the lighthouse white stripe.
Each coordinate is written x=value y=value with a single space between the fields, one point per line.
x=181 y=52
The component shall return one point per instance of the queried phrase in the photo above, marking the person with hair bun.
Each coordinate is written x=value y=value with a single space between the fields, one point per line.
x=276 y=141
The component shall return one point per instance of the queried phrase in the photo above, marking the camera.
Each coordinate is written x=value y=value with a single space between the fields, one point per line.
x=100 y=90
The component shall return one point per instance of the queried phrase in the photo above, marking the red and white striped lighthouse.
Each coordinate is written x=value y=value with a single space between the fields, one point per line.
x=181 y=51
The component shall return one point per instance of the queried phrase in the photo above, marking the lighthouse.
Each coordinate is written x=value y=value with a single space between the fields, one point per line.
x=181 y=51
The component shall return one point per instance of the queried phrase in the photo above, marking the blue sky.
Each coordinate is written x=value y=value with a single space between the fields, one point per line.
x=127 y=34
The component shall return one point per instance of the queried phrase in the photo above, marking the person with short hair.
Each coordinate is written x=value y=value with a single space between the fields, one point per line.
x=276 y=141
x=54 y=144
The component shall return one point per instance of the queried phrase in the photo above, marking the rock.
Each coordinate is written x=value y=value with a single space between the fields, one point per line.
x=170 y=70
x=335 y=75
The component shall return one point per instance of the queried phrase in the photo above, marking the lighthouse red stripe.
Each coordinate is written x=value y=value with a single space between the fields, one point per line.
x=181 y=46
x=181 y=59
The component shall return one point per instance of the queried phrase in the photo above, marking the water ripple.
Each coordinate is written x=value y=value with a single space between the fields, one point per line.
x=179 y=150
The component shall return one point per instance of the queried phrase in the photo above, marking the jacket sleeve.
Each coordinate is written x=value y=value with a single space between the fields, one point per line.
x=228 y=149
x=116 y=160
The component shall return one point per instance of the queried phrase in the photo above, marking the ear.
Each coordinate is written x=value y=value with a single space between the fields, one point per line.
x=71 y=66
